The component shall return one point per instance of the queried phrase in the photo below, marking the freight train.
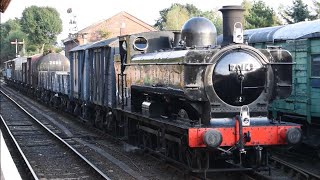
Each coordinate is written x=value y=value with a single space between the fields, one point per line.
x=179 y=95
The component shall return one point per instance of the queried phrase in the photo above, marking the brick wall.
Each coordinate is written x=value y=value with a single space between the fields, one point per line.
x=120 y=24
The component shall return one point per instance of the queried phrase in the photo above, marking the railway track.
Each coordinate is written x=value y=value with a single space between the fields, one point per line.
x=43 y=154
x=278 y=172
x=118 y=159
x=292 y=170
x=282 y=169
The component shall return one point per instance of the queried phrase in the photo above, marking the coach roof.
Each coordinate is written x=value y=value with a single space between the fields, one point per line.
x=306 y=29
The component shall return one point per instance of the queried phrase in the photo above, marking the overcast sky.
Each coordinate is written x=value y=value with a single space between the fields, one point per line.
x=96 y=10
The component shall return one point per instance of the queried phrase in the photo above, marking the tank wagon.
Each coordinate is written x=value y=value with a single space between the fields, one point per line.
x=182 y=97
x=44 y=76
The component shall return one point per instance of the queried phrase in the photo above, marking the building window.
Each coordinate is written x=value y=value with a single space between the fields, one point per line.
x=315 y=65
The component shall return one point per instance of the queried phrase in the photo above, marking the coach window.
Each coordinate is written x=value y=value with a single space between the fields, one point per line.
x=315 y=65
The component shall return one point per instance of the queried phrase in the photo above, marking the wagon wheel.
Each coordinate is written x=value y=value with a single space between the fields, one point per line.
x=108 y=121
x=98 y=120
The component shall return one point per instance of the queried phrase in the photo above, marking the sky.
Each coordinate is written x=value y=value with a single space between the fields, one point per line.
x=97 y=10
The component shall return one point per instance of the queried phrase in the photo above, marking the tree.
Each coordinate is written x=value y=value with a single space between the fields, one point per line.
x=104 y=34
x=10 y=31
x=316 y=8
x=42 y=24
x=215 y=18
x=175 y=18
x=192 y=11
x=247 y=5
x=10 y=25
x=297 y=12
x=260 y=15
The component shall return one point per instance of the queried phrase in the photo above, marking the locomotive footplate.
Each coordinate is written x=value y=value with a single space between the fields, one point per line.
x=196 y=147
x=262 y=131
x=254 y=135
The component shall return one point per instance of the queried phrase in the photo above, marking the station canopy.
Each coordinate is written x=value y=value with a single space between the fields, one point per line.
x=4 y=5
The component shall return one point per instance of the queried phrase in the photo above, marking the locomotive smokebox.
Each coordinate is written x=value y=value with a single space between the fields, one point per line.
x=231 y=16
x=199 y=32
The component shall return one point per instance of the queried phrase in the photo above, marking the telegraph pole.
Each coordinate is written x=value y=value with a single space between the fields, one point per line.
x=17 y=43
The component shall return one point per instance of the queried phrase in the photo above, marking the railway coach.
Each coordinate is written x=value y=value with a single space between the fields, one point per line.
x=303 y=105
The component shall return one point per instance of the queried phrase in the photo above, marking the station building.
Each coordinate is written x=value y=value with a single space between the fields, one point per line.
x=120 y=24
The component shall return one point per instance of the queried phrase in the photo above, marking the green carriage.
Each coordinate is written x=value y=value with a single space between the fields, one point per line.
x=303 y=41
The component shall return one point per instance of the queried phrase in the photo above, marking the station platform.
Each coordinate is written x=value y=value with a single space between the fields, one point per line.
x=7 y=166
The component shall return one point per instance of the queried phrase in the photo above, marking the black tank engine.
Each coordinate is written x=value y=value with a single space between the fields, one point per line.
x=215 y=95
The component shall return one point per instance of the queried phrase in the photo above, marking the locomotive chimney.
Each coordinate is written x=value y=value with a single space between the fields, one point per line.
x=232 y=15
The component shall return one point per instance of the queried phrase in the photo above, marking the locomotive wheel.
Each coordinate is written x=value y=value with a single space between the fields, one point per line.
x=170 y=150
x=198 y=160
x=188 y=158
x=146 y=140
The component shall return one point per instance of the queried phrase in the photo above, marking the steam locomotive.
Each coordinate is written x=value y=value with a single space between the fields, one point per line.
x=179 y=95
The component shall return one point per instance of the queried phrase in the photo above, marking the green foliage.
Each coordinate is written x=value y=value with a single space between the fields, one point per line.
x=316 y=8
x=297 y=12
x=42 y=24
x=104 y=34
x=192 y=10
x=215 y=18
x=246 y=5
x=259 y=15
x=39 y=26
x=10 y=25
x=10 y=31
x=171 y=19
x=176 y=17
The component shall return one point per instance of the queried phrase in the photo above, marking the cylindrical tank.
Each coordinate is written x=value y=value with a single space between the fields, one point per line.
x=53 y=62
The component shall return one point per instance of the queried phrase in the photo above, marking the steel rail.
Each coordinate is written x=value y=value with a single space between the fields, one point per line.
x=307 y=174
x=58 y=138
x=21 y=154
